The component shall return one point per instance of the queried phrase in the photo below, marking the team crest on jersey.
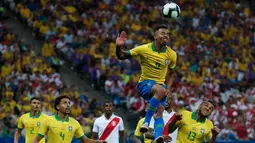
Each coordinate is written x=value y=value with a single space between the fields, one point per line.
x=38 y=123
x=113 y=123
x=70 y=128
x=148 y=84
x=166 y=61
x=202 y=131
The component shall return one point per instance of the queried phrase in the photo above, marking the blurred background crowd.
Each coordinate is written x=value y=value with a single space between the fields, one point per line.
x=213 y=39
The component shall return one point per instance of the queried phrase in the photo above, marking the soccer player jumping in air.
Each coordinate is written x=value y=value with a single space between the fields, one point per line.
x=157 y=62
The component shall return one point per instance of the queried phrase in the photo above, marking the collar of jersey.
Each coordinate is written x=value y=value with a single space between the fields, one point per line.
x=37 y=116
x=155 y=50
x=194 y=117
x=58 y=119
x=109 y=118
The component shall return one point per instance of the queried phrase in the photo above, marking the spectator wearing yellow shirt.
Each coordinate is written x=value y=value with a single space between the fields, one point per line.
x=197 y=79
x=73 y=93
x=48 y=69
x=47 y=49
x=48 y=109
x=86 y=128
x=9 y=93
x=19 y=105
x=88 y=124
x=10 y=36
x=26 y=58
x=24 y=12
x=242 y=66
x=70 y=9
x=8 y=55
x=231 y=74
x=6 y=69
x=44 y=28
x=62 y=31
x=37 y=24
x=26 y=108
x=9 y=107
x=112 y=49
x=76 y=109
x=74 y=17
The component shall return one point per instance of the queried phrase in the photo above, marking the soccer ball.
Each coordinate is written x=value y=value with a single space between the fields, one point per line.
x=171 y=10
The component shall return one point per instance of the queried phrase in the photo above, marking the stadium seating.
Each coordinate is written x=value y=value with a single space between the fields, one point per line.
x=213 y=41
x=25 y=74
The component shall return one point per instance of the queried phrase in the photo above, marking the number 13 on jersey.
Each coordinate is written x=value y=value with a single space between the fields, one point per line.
x=192 y=136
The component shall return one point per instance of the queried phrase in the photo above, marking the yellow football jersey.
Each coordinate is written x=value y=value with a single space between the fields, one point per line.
x=138 y=133
x=60 y=131
x=154 y=64
x=31 y=125
x=193 y=131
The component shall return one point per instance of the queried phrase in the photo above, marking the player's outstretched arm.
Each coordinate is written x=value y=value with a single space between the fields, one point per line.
x=94 y=135
x=87 y=140
x=120 y=42
x=215 y=132
x=37 y=139
x=122 y=136
x=17 y=136
x=170 y=78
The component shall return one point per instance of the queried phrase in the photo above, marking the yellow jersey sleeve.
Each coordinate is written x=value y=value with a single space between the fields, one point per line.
x=173 y=60
x=137 y=50
x=43 y=128
x=79 y=132
x=137 y=130
x=20 y=123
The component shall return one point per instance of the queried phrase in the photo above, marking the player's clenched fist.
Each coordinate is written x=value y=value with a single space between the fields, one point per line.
x=178 y=116
x=167 y=138
x=215 y=131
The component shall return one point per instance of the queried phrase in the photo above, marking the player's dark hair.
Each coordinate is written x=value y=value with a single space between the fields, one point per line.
x=212 y=102
x=107 y=101
x=35 y=98
x=159 y=27
x=58 y=99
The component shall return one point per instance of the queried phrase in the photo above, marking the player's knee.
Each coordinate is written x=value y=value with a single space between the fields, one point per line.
x=159 y=91
x=160 y=109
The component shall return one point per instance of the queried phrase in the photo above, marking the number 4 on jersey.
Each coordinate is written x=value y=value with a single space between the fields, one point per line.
x=62 y=135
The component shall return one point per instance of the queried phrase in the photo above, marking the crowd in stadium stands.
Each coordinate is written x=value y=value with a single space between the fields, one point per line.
x=24 y=74
x=213 y=42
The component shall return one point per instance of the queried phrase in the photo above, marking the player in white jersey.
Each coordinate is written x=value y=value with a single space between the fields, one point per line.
x=108 y=127
x=168 y=116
